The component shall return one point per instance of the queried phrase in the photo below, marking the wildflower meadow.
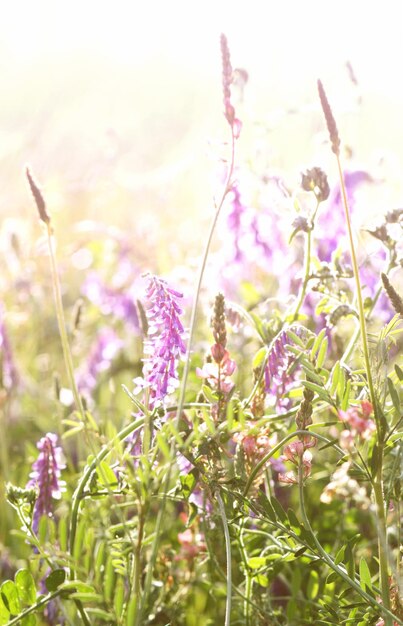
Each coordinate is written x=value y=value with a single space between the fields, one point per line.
x=218 y=443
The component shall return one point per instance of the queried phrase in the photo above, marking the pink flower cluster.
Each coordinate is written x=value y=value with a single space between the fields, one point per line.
x=297 y=453
x=256 y=444
x=218 y=372
x=361 y=425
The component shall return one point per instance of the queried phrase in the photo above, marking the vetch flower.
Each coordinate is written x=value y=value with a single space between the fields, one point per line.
x=102 y=352
x=45 y=476
x=165 y=343
x=112 y=301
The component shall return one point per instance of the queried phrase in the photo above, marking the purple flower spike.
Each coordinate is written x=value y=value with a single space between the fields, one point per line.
x=45 y=476
x=165 y=343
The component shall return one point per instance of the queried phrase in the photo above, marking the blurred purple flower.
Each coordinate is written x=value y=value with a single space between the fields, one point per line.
x=331 y=223
x=165 y=343
x=102 y=352
x=45 y=475
x=277 y=377
x=111 y=301
x=9 y=374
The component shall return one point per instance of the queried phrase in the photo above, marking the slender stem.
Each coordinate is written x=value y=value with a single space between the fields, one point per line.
x=378 y=482
x=305 y=281
x=181 y=402
x=248 y=577
x=68 y=359
x=389 y=617
x=35 y=607
x=259 y=466
x=363 y=330
x=228 y=555
x=80 y=489
x=356 y=334
x=227 y=188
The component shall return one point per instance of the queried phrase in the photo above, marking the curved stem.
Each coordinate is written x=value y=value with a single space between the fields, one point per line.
x=35 y=607
x=305 y=281
x=329 y=561
x=228 y=555
x=181 y=402
x=277 y=447
x=378 y=481
x=79 y=492
x=227 y=188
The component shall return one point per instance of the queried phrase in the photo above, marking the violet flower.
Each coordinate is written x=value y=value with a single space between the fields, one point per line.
x=165 y=343
x=101 y=354
x=45 y=475
x=331 y=223
x=276 y=375
x=112 y=301
x=8 y=370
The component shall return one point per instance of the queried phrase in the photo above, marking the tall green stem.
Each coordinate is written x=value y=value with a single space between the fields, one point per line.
x=378 y=486
x=305 y=281
x=389 y=617
x=181 y=403
x=68 y=359
x=227 y=537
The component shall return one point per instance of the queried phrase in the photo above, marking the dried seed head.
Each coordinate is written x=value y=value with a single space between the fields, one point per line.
x=394 y=297
x=229 y=110
x=315 y=180
x=38 y=197
x=330 y=121
x=218 y=321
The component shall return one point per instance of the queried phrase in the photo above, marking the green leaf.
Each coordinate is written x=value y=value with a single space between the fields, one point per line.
x=322 y=353
x=320 y=391
x=76 y=586
x=55 y=579
x=28 y=620
x=259 y=357
x=399 y=372
x=313 y=585
x=10 y=597
x=335 y=378
x=346 y=397
x=188 y=482
x=101 y=614
x=26 y=586
x=332 y=577
x=106 y=475
x=256 y=562
x=281 y=514
x=87 y=597
x=4 y=613
x=262 y=580
x=209 y=394
x=268 y=509
x=294 y=521
x=317 y=344
x=394 y=395
x=365 y=575
x=119 y=597
x=296 y=339
x=340 y=555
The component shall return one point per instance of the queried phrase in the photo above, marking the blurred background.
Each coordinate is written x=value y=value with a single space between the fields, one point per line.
x=117 y=106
